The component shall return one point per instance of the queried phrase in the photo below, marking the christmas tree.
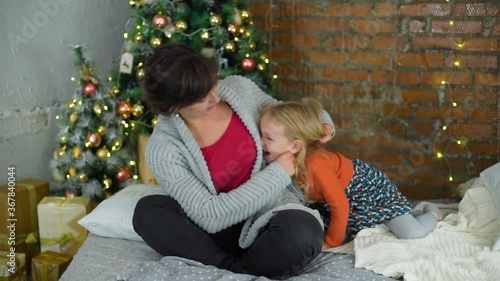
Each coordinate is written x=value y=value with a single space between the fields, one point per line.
x=221 y=30
x=90 y=157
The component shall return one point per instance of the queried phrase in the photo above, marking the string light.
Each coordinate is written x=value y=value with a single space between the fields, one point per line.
x=461 y=45
x=439 y=155
x=452 y=22
x=444 y=128
x=450 y=178
x=72 y=79
x=454 y=104
x=125 y=35
x=443 y=82
x=457 y=63
x=459 y=142
x=132 y=163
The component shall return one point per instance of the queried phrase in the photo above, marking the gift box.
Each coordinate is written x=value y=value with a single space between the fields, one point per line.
x=12 y=266
x=49 y=266
x=144 y=171
x=22 y=220
x=59 y=229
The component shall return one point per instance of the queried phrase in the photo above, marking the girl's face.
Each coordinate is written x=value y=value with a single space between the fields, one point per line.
x=273 y=139
x=202 y=108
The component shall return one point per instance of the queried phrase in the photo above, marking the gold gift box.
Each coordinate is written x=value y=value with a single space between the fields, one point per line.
x=28 y=192
x=12 y=266
x=59 y=228
x=49 y=266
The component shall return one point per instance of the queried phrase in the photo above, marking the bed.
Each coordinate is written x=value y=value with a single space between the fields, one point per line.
x=464 y=246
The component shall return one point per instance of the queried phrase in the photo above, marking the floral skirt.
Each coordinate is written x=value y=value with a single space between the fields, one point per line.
x=373 y=199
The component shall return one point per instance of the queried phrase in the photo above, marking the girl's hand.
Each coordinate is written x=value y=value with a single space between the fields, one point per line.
x=329 y=133
x=286 y=161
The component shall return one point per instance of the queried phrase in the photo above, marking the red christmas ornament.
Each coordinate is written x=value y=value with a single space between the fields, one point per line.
x=123 y=174
x=89 y=88
x=94 y=139
x=125 y=109
x=160 y=21
x=248 y=64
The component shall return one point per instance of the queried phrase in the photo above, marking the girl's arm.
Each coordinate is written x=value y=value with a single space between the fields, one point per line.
x=326 y=183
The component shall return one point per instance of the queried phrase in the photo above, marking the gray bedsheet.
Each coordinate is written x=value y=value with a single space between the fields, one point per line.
x=107 y=259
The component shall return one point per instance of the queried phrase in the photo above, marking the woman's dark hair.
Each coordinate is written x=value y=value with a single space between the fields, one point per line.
x=177 y=76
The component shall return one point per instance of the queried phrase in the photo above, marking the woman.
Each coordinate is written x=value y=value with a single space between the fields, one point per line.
x=223 y=207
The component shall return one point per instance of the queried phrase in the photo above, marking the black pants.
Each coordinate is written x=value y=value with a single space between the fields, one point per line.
x=283 y=248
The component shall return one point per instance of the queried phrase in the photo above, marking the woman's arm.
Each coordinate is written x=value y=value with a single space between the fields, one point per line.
x=212 y=212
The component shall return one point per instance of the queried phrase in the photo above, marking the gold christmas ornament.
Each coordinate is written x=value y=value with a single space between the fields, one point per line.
x=73 y=118
x=101 y=129
x=140 y=73
x=97 y=109
x=83 y=177
x=215 y=20
x=58 y=153
x=117 y=145
x=102 y=153
x=138 y=109
x=160 y=21
x=71 y=105
x=107 y=182
x=94 y=139
x=245 y=15
x=155 y=42
x=242 y=30
x=77 y=151
x=138 y=37
x=181 y=25
x=72 y=172
x=205 y=36
x=230 y=47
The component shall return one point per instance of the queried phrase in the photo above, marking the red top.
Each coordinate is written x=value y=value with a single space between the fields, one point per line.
x=230 y=160
x=329 y=174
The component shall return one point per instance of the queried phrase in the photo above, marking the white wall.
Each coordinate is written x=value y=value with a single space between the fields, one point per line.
x=35 y=71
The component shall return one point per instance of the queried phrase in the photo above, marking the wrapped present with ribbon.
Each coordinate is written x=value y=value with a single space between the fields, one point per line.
x=12 y=266
x=59 y=229
x=21 y=232
x=49 y=266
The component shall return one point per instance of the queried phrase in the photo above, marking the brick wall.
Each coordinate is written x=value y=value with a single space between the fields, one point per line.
x=413 y=86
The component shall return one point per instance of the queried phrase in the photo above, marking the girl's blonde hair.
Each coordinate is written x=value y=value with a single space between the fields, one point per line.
x=302 y=121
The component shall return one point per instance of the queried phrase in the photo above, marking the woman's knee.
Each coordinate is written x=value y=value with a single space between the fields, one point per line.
x=152 y=205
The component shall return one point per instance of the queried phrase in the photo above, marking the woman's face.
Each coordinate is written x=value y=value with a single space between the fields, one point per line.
x=202 y=108
x=273 y=139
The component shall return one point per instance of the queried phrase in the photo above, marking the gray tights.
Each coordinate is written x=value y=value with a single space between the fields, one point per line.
x=409 y=227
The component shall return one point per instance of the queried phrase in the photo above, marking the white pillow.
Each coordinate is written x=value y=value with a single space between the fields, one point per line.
x=491 y=176
x=113 y=216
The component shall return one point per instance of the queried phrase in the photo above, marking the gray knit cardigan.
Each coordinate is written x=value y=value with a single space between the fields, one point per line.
x=178 y=165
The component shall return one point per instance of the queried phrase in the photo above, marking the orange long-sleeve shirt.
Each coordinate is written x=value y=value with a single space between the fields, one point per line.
x=329 y=174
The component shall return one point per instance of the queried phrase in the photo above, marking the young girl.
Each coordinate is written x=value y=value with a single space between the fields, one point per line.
x=358 y=196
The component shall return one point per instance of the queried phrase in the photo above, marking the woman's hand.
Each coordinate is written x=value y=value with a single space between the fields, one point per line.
x=328 y=133
x=286 y=161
